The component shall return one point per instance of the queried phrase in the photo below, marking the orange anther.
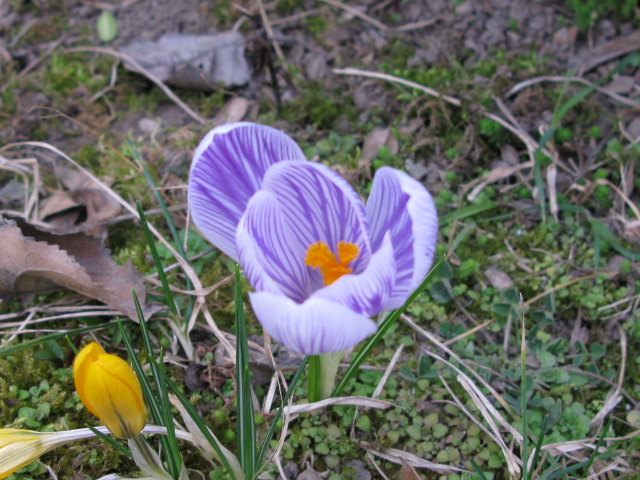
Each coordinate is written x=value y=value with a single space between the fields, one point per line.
x=319 y=255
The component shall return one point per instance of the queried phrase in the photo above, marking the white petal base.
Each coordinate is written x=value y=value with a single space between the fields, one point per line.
x=313 y=327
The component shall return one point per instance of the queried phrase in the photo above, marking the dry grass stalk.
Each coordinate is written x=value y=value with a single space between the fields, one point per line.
x=365 y=402
x=135 y=66
x=452 y=354
x=25 y=167
x=387 y=372
x=560 y=79
x=398 y=456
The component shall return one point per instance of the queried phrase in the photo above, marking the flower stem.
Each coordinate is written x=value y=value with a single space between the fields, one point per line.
x=314 y=378
x=322 y=375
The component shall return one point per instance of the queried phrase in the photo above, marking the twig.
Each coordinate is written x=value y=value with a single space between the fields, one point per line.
x=110 y=6
x=376 y=23
x=46 y=53
x=136 y=67
x=267 y=26
x=357 y=13
x=23 y=31
x=394 y=79
x=295 y=17
x=560 y=79
x=387 y=372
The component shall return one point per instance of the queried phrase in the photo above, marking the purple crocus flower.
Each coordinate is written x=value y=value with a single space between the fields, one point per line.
x=322 y=263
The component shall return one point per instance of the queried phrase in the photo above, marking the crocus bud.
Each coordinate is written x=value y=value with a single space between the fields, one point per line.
x=110 y=390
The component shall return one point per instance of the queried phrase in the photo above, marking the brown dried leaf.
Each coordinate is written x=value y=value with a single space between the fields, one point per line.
x=408 y=472
x=233 y=111
x=377 y=138
x=33 y=261
x=81 y=209
x=498 y=278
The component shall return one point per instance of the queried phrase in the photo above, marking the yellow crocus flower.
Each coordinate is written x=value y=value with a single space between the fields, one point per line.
x=18 y=448
x=110 y=390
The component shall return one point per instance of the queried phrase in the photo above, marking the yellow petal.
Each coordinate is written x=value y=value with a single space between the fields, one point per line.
x=13 y=435
x=87 y=357
x=18 y=455
x=18 y=448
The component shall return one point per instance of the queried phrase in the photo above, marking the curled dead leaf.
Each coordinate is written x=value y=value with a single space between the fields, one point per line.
x=80 y=209
x=378 y=138
x=34 y=261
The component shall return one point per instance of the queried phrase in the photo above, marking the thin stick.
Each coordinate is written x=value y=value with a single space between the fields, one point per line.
x=387 y=372
x=391 y=78
x=560 y=79
x=267 y=26
x=136 y=67
x=357 y=13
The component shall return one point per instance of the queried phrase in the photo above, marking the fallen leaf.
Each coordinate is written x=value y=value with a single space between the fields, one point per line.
x=34 y=261
x=309 y=474
x=408 y=472
x=632 y=231
x=615 y=48
x=417 y=170
x=233 y=111
x=633 y=129
x=498 y=278
x=196 y=62
x=80 y=209
x=623 y=84
x=378 y=138
x=315 y=66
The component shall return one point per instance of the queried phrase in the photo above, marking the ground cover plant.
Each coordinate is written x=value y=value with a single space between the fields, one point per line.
x=516 y=359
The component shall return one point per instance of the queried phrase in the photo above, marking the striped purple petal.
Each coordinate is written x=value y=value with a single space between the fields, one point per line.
x=318 y=205
x=314 y=327
x=402 y=206
x=367 y=292
x=227 y=169
x=272 y=257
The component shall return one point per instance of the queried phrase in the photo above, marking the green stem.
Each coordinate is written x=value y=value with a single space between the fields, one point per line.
x=322 y=375
x=314 y=378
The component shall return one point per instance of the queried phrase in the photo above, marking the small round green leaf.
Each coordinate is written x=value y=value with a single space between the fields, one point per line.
x=107 y=26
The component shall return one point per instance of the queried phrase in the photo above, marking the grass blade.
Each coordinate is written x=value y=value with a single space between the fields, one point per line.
x=5 y=352
x=111 y=441
x=150 y=398
x=246 y=421
x=278 y=415
x=313 y=379
x=479 y=472
x=596 y=451
x=466 y=212
x=523 y=396
x=198 y=421
x=167 y=216
x=169 y=442
x=536 y=455
x=156 y=259
x=365 y=350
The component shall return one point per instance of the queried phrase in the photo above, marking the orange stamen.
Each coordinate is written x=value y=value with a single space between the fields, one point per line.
x=319 y=255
